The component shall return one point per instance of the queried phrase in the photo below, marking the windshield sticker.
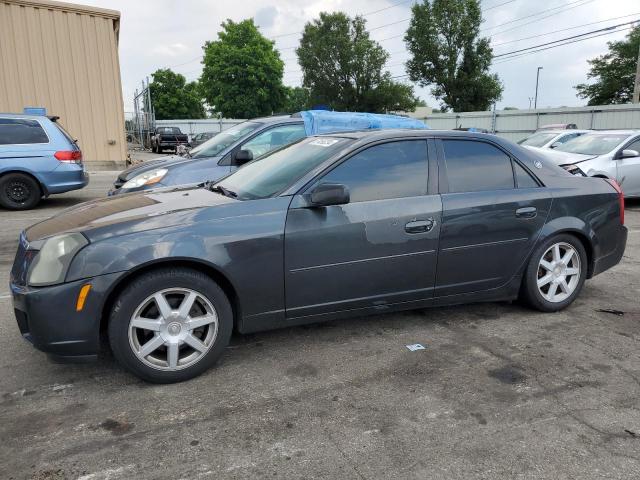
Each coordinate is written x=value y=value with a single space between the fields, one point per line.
x=324 y=142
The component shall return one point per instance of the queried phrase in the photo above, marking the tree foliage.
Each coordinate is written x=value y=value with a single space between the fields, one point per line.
x=173 y=98
x=448 y=54
x=343 y=68
x=242 y=75
x=614 y=73
x=297 y=99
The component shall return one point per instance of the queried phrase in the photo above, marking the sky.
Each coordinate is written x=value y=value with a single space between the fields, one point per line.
x=170 y=33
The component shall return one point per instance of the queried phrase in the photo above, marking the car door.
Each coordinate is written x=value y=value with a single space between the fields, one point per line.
x=270 y=139
x=492 y=212
x=377 y=250
x=629 y=169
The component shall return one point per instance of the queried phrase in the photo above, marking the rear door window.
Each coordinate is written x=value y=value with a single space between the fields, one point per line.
x=474 y=166
x=17 y=131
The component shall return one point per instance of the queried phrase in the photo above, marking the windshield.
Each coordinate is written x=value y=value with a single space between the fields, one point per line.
x=224 y=140
x=273 y=173
x=592 y=144
x=169 y=131
x=538 y=139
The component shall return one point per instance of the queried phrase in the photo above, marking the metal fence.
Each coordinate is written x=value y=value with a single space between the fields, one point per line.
x=193 y=127
x=516 y=124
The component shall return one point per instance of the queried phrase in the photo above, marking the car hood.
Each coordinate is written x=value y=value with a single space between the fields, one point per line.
x=129 y=213
x=164 y=162
x=561 y=158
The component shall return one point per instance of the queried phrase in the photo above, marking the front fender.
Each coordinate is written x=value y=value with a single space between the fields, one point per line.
x=246 y=249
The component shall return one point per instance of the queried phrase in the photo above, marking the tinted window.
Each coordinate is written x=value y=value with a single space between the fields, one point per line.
x=19 y=131
x=537 y=139
x=391 y=170
x=476 y=166
x=224 y=140
x=274 y=138
x=524 y=179
x=275 y=172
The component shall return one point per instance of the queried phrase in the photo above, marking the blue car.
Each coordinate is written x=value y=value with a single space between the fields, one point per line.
x=232 y=148
x=37 y=158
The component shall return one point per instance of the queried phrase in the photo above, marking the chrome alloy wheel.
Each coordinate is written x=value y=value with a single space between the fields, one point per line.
x=173 y=329
x=558 y=272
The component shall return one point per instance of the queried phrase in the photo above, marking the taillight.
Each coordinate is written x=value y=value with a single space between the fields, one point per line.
x=70 y=156
x=618 y=189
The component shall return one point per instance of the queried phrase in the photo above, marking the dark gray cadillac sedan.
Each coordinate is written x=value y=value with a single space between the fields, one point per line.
x=328 y=227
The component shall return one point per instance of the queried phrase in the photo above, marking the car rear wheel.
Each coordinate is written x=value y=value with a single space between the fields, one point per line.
x=170 y=325
x=19 y=192
x=555 y=274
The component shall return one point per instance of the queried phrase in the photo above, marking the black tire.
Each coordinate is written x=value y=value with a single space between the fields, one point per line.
x=148 y=284
x=531 y=294
x=19 y=191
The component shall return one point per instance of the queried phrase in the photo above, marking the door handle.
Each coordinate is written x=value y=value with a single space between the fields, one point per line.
x=420 y=226
x=526 y=212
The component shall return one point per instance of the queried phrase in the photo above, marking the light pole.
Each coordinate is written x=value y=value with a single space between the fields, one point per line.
x=535 y=104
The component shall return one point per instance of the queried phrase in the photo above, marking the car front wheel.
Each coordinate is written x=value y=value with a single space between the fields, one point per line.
x=555 y=274
x=170 y=325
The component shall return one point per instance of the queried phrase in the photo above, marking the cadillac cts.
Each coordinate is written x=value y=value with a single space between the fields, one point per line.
x=329 y=227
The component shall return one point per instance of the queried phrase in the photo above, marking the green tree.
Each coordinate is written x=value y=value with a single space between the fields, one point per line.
x=173 y=98
x=448 y=54
x=343 y=68
x=614 y=72
x=297 y=99
x=242 y=75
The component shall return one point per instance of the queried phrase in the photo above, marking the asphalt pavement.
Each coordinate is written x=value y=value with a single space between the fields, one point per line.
x=500 y=391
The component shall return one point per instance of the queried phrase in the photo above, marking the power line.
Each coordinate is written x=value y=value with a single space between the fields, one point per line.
x=535 y=14
x=560 y=45
x=541 y=18
x=563 y=30
x=363 y=15
x=613 y=27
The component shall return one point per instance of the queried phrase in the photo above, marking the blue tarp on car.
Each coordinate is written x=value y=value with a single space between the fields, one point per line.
x=322 y=121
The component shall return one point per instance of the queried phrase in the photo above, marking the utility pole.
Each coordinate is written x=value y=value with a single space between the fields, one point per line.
x=535 y=104
x=636 y=87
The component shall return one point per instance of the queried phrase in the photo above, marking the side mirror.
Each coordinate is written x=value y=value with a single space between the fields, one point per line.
x=327 y=194
x=555 y=144
x=243 y=156
x=629 y=154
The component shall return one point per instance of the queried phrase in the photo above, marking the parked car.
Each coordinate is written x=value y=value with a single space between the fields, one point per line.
x=215 y=158
x=38 y=158
x=550 y=138
x=199 y=138
x=234 y=147
x=163 y=138
x=331 y=226
x=611 y=154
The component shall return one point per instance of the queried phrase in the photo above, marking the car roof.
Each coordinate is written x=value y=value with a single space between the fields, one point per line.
x=23 y=116
x=277 y=119
x=615 y=132
x=559 y=131
x=382 y=134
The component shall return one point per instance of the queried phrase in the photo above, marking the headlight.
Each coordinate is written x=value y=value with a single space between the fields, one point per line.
x=147 y=178
x=574 y=170
x=52 y=261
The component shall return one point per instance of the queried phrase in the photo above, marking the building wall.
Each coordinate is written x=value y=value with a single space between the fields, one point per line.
x=65 y=57
x=517 y=124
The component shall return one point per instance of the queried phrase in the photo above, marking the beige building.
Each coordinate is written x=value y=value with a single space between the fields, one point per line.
x=64 y=57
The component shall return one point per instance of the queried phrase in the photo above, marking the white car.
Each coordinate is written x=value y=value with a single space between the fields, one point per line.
x=551 y=138
x=611 y=154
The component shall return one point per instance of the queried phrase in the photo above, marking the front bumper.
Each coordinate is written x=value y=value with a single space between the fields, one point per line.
x=47 y=316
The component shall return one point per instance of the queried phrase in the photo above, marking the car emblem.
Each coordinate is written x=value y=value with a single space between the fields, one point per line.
x=537 y=164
